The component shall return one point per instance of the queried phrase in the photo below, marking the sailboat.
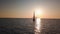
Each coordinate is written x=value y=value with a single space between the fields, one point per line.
x=34 y=17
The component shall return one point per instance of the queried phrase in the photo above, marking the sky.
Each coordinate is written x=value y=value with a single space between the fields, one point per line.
x=25 y=8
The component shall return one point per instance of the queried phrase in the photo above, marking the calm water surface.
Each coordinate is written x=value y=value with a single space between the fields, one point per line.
x=26 y=26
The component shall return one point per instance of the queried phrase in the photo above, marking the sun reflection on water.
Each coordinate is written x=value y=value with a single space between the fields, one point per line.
x=37 y=25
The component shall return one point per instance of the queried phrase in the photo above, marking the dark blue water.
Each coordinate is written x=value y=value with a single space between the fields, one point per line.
x=25 y=26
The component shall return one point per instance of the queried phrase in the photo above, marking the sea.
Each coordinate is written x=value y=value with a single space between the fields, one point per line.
x=26 y=26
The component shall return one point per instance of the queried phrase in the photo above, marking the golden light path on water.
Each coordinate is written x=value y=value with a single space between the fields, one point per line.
x=37 y=25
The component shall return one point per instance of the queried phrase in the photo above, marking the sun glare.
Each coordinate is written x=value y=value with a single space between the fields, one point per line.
x=38 y=12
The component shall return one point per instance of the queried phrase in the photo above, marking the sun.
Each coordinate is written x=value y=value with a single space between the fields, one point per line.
x=38 y=12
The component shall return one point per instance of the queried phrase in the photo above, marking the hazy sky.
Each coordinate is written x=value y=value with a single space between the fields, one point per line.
x=25 y=8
